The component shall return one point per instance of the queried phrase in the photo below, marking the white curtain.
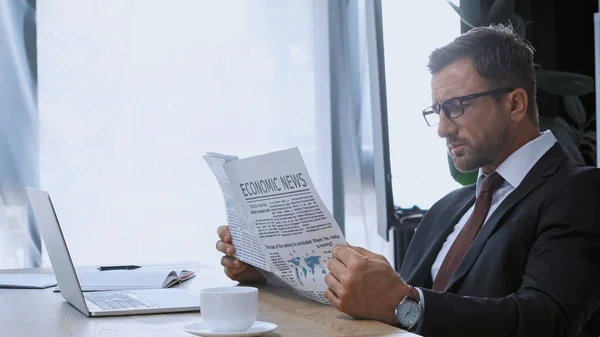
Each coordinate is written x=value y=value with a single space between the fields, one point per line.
x=7 y=250
x=19 y=240
x=133 y=92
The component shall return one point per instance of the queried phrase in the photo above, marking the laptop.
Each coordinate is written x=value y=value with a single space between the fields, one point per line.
x=99 y=303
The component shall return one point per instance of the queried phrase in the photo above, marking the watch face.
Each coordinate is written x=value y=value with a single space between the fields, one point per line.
x=408 y=313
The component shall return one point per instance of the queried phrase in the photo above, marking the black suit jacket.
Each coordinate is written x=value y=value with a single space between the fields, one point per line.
x=532 y=270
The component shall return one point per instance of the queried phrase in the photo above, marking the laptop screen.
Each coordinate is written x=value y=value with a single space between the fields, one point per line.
x=64 y=271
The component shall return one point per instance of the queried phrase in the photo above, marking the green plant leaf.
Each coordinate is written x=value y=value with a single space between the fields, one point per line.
x=464 y=17
x=463 y=178
x=592 y=155
x=590 y=135
x=562 y=131
x=591 y=121
x=590 y=143
x=575 y=109
x=567 y=127
x=588 y=149
x=501 y=11
x=519 y=24
x=564 y=83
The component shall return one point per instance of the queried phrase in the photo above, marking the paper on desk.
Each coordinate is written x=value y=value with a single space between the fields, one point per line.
x=292 y=228
x=143 y=278
x=27 y=281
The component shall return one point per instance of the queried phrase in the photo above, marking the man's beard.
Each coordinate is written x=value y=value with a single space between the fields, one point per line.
x=475 y=161
x=483 y=156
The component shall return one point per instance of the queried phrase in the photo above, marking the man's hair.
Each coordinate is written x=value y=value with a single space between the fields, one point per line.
x=500 y=56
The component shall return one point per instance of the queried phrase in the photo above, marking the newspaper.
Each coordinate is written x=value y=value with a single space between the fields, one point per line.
x=277 y=220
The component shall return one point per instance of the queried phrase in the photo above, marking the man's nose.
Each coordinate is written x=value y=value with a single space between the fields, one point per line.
x=446 y=127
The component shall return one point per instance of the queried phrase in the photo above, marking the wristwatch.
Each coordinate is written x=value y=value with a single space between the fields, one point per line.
x=408 y=312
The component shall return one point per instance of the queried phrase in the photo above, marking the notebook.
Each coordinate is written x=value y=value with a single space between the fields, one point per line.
x=27 y=281
x=142 y=278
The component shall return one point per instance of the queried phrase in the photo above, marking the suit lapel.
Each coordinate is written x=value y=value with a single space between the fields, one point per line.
x=539 y=173
x=453 y=211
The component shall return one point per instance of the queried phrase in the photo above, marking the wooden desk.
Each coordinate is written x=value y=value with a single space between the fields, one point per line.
x=33 y=313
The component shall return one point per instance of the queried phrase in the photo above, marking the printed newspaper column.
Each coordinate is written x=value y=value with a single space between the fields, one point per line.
x=243 y=233
x=294 y=227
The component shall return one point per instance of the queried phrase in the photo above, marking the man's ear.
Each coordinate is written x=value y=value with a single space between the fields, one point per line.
x=517 y=103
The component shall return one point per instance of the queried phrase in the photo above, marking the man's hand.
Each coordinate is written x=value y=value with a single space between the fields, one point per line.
x=234 y=268
x=370 y=254
x=363 y=284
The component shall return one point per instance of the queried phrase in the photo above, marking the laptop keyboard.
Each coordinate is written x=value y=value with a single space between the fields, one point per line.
x=118 y=300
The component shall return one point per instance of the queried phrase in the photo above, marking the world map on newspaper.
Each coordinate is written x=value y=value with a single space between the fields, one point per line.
x=308 y=266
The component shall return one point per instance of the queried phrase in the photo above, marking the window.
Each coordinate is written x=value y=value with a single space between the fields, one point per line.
x=132 y=93
x=418 y=156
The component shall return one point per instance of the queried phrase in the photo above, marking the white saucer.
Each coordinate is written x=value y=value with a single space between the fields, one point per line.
x=257 y=329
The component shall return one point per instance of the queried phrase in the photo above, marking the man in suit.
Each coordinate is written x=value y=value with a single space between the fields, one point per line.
x=517 y=253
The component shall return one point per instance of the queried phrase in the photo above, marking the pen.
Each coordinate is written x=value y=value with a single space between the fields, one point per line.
x=127 y=267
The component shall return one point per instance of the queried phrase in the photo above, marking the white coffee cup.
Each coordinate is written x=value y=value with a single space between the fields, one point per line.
x=229 y=309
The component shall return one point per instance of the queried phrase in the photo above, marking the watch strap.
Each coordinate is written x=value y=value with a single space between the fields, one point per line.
x=413 y=294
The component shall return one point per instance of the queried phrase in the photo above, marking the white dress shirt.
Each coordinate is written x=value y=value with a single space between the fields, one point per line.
x=513 y=170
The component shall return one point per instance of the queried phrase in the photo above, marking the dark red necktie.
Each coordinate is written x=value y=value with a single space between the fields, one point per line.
x=460 y=246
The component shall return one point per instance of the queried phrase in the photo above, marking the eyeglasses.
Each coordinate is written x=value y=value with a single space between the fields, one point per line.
x=453 y=107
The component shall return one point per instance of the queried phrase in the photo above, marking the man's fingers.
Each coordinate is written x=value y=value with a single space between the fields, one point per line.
x=224 y=234
x=225 y=248
x=232 y=273
x=336 y=267
x=367 y=253
x=362 y=251
x=334 y=284
x=332 y=298
x=345 y=254
x=233 y=263
x=227 y=261
x=224 y=245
